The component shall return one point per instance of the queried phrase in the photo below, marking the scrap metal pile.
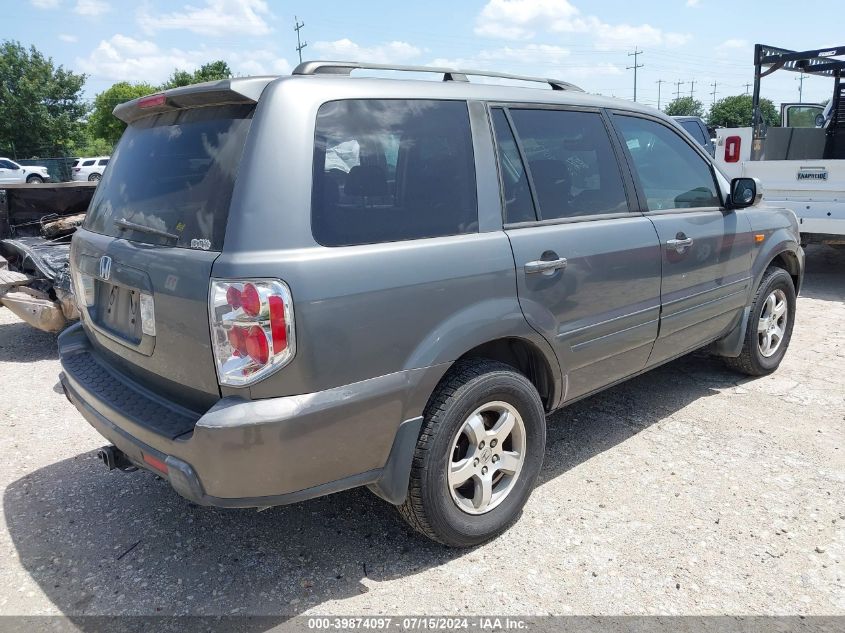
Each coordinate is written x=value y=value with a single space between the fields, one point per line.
x=36 y=225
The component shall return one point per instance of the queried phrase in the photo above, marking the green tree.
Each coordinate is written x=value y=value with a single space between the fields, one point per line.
x=102 y=124
x=92 y=146
x=685 y=106
x=736 y=111
x=40 y=103
x=212 y=71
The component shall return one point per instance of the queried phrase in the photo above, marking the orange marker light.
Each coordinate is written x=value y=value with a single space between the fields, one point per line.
x=155 y=463
x=759 y=237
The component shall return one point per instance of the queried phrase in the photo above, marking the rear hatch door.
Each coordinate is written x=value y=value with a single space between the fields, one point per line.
x=143 y=258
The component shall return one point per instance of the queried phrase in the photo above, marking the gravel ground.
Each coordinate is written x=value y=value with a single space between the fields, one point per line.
x=689 y=490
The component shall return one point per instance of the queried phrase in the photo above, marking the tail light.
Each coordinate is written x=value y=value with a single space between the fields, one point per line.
x=251 y=329
x=732 y=145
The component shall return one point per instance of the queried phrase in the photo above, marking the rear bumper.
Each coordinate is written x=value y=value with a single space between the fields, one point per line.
x=243 y=453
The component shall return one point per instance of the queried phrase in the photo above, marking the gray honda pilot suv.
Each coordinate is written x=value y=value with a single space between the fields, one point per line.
x=294 y=286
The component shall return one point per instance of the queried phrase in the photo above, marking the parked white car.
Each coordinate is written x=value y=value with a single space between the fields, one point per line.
x=11 y=172
x=90 y=169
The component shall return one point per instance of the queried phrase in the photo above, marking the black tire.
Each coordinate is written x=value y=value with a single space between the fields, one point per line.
x=429 y=507
x=751 y=360
x=94 y=178
x=34 y=179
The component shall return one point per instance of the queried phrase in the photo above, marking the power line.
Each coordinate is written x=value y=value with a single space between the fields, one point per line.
x=659 y=83
x=635 y=66
x=299 y=44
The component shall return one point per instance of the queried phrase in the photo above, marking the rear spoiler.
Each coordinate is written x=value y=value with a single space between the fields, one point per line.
x=235 y=90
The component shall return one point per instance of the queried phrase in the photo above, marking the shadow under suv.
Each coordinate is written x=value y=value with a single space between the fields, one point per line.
x=294 y=286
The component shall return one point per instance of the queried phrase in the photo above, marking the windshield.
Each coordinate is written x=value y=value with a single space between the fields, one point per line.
x=173 y=173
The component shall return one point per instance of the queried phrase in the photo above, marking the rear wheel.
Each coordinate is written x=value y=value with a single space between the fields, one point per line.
x=769 y=327
x=94 y=178
x=478 y=455
x=35 y=179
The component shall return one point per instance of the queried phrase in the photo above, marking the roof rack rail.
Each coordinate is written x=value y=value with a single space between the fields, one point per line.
x=449 y=74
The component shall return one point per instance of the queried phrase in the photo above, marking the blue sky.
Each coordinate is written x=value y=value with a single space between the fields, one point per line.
x=704 y=41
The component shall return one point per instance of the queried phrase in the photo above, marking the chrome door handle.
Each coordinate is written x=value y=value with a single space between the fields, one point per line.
x=545 y=266
x=679 y=245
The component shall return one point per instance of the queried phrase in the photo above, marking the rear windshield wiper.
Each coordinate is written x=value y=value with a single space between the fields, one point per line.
x=125 y=224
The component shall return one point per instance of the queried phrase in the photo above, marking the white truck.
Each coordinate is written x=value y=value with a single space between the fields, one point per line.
x=802 y=163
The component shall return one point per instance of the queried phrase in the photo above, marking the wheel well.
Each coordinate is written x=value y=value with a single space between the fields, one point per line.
x=788 y=262
x=523 y=356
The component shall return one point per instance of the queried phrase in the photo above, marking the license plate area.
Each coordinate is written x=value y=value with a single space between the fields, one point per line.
x=118 y=311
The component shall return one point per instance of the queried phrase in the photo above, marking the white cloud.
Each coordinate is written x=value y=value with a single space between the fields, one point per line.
x=215 y=17
x=44 y=4
x=609 y=36
x=518 y=19
x=123 y=58
x=91 y=7
x=530 y=53
x=523 y=19
x=65 y=37
x=732 y=47
x=733 y=43
x=693 y=3
x=346 y=49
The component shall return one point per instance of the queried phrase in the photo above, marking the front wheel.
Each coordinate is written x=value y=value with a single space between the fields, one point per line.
x=769 y=327
x=478 y=456
x=35 y=180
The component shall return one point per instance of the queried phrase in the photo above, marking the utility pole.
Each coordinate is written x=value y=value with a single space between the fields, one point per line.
x=714 y=92
x=801 y=87
x=692 y=88
x=678 y=85
x=299 y=44
x=635 y=66
x=659 y=82
x=747 y=89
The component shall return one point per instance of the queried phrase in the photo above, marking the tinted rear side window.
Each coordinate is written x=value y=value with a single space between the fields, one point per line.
x=173 y=172
x=391 y=170
x=88 y=163
x=695 y=129
x=571 y=161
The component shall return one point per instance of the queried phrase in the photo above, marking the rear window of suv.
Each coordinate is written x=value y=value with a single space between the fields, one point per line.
x=391 y=170
x=173 y=174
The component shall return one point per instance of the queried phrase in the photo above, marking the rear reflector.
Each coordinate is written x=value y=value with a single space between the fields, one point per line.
x=152 y=101
x=155 y=463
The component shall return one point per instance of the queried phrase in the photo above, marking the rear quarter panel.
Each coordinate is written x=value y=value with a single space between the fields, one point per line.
x=368 y=310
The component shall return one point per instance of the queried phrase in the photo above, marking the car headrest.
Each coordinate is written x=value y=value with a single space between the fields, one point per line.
x=366 y=180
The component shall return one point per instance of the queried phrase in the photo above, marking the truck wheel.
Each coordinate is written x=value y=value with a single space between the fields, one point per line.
x=769 y=325
x=35 y=179
x=478 y=456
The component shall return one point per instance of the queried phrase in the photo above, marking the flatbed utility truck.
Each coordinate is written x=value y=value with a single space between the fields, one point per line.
x=801 y=164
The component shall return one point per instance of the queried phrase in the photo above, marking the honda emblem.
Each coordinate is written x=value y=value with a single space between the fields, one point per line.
x=105 y=267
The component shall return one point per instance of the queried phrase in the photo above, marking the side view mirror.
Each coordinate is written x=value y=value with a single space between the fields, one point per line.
x=820 y=120
x=745 y=192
